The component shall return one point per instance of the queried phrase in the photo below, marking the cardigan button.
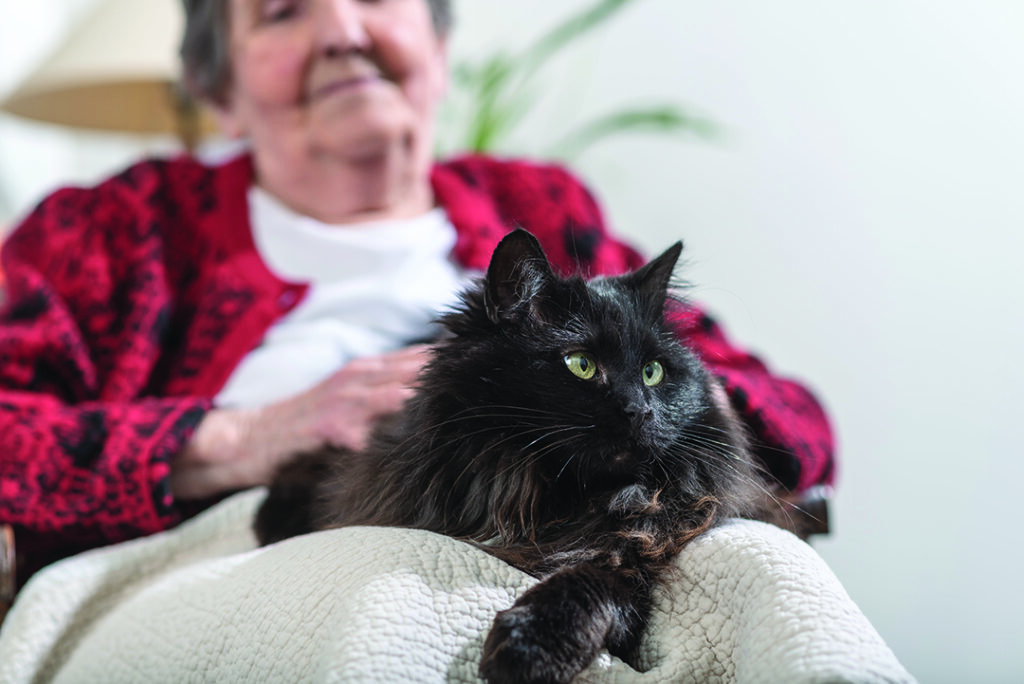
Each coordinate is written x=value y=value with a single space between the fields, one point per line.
x=287 y=299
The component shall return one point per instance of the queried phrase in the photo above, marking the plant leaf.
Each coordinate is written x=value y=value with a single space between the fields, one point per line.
x=569 y=30
x=493 y=96
x=656 y=119
x=502 y=84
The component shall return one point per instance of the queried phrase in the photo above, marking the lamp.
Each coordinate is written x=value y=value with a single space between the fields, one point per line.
x=117 y=70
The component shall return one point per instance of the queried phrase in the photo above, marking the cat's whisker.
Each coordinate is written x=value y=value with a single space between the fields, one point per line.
x=725 y=455
x=553 y=432
x=540 y=454
x=758 y=444
x=476 y=460
x=718 y=448
x=710 y=428
x=697 y=431
x=528 y=459
x=783 y=505
x=477 y=413
x=565 y=465
x=473 y=411
x=728 y=467
x=453 y=420
x=535 y=456
x=434 y=448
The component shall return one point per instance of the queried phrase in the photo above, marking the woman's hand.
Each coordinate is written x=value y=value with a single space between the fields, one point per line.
x=238 y=448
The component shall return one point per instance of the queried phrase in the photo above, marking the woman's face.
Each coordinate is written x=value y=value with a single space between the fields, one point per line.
x=355 y=79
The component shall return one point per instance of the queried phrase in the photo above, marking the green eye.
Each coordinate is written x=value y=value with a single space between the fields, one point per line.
x=581 y=365
x=653 y=374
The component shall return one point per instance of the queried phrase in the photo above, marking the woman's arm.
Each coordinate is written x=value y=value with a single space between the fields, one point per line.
x=791 y=433
x=82 y=462
x=237 y=448
x=85 y=446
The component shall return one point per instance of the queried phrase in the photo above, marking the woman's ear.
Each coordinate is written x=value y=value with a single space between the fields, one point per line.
x=228 y=122
x=446 y=74
x=440 y=79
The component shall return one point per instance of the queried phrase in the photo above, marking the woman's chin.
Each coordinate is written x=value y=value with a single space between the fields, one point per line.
x=364 y=137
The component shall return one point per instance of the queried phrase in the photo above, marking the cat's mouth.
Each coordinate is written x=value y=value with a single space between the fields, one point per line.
x=621 y=461
x=630 y=455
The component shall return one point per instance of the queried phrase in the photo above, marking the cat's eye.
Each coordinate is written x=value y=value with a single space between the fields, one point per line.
x=653 y=374
x=581 y=365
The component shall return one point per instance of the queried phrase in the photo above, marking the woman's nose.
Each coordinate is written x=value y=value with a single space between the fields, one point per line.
x=340 y=26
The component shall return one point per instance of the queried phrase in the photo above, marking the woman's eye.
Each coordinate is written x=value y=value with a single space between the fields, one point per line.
x=278 y=10
x=581 y=365
x=653 y=374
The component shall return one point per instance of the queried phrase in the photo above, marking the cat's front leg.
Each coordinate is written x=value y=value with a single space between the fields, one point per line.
x=558 y=626
x=289 y=508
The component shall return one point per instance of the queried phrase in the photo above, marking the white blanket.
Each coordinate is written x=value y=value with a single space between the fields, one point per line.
x=748 y=603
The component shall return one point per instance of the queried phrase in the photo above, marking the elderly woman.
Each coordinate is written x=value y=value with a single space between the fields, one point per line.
x=174 y=333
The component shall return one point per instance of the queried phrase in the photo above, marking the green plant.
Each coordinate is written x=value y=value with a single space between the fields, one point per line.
x=497 y=92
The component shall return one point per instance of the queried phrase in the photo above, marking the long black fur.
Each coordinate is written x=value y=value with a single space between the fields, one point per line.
x=593 y=485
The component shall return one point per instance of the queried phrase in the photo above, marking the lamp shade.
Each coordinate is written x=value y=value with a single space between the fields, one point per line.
x=116 y=70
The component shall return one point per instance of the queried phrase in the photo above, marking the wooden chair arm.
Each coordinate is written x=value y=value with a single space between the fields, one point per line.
x=8 y=577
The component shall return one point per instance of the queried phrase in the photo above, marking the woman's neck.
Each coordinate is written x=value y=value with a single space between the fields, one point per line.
x=372 y=186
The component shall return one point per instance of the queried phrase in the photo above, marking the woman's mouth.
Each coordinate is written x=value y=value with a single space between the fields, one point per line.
x=347 y=84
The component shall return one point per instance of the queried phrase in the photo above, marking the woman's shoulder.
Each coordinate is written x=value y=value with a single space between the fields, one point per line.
x=492 y=195
x=185 y=181
x=150 y=199
x=173 y=184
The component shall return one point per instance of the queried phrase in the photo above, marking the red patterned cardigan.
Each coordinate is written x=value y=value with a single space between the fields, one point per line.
x=129 y=304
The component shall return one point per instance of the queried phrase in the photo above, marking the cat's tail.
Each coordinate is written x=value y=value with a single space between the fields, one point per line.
x=288 y=510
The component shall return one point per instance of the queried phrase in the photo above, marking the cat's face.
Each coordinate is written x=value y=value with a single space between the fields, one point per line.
x=578 y=373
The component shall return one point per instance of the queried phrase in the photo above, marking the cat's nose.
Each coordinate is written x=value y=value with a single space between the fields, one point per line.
x=637 y=409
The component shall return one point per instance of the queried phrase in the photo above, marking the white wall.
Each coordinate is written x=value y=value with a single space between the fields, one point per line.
x=860 y=224
x=36 y=157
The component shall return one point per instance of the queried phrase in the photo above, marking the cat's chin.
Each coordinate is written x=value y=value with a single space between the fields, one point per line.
x=635 y=451
x=624 y=461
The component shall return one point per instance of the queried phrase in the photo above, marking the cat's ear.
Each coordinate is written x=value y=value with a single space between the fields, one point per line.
x=519 y=270
x=654 y=277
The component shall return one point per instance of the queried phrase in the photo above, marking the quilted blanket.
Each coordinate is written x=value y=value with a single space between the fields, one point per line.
x=747 y=602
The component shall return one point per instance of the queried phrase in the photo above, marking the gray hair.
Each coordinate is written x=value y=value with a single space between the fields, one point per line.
x=206 y=59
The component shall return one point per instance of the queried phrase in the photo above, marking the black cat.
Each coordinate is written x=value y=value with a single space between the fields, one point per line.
x=564 y=428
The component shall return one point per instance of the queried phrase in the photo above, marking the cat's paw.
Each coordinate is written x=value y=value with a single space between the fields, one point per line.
x=526 y=646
